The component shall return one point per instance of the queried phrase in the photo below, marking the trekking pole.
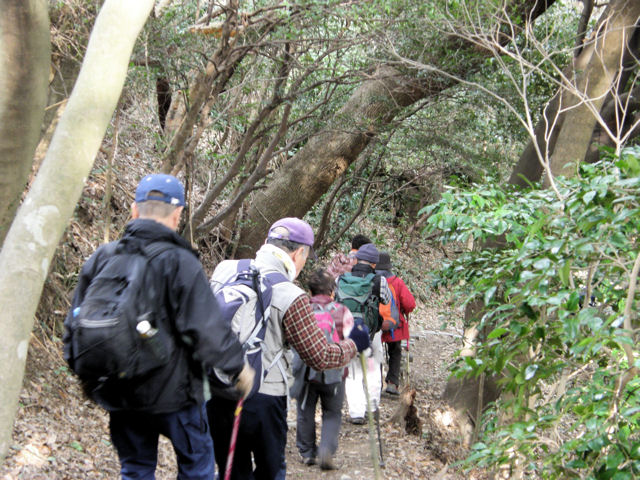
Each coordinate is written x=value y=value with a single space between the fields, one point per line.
x=378 y=425
x=408 y=337
x=382 y=465
x=234 y=438
x=372 y=442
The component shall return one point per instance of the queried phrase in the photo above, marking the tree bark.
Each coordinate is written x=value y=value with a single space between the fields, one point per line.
x=530 y=165
x=306 y=176
x=25 y=58
x=611 y=115
x=41 y=219
x=597 y=81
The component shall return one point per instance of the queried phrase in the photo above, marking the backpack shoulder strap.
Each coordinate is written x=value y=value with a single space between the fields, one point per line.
x=332 y=306
x=243 y=264
x=316 y=307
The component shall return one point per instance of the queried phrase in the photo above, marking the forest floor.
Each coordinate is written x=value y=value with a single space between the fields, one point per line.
x=59 y=434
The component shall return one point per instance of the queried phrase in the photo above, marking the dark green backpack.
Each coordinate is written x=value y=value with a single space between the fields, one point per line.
x=356 y=294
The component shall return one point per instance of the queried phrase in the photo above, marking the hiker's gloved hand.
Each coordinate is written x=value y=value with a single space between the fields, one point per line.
x=360 y=335
x=245 y=380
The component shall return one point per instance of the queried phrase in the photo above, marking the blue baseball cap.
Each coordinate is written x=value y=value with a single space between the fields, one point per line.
x=166 y=188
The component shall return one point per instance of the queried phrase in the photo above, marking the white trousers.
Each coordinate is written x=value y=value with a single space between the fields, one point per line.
x=354 y=386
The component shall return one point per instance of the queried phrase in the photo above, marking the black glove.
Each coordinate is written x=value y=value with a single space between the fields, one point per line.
x=360 y=335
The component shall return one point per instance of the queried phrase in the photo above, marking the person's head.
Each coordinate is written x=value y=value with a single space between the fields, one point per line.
x=384 y=262
x=295 y=237
x=159 y=197
x=358 y=240
x=368 y=253
x=321 y=282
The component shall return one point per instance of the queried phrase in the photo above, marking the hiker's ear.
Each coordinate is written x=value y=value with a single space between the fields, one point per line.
x=299 y=257
x=135 y=213
x=175 y=217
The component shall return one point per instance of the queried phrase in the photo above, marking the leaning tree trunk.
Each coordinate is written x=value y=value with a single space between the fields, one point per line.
x=25 y=52
x=564 y=135
x=593 y=86
x=42 y=218
x=308 y=175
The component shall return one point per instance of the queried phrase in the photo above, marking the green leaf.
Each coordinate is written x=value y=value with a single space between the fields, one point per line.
x=542 y=264
x=76 y=446
x=574 y=302
x=570 y=327
x=622 y=476
x=488 y=294
x=587 y=197
x=498 y=332
x=526 y=275
x=564 y=272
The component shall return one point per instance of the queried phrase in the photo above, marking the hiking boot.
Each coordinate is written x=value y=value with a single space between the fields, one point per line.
x=356 y=420
x=309 y=461
x=326 y=461
x=392 y=389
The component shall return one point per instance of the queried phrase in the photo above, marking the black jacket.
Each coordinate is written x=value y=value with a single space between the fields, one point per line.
x=191 y=315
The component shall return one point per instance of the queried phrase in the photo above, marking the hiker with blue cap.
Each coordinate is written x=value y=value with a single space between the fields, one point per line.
x=157 y=388
x=262 y=433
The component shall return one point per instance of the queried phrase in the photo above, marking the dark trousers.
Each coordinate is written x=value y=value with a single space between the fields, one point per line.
x=395 y=359
x=331 y=398
x=263 y=433
x=135 y=436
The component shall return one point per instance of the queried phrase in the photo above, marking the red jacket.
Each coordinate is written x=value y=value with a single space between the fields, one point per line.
x=406 y=304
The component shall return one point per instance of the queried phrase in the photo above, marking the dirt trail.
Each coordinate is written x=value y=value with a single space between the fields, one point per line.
x=406 y=456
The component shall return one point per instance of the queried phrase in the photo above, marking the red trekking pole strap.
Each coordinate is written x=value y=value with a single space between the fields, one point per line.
x=234 y=438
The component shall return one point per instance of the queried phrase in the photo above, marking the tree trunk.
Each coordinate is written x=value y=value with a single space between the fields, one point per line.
x=305 y=177
x=25 y=52
x=41 y=219
x=530 y=164
x=597 y=80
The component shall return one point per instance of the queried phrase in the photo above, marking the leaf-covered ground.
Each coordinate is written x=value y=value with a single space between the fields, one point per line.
x=59 y=434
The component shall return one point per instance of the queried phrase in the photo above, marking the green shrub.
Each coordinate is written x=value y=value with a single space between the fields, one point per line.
x=559 y=318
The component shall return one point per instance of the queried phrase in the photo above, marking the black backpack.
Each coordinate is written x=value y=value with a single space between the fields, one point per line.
x=115 y=332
